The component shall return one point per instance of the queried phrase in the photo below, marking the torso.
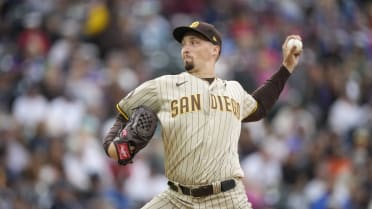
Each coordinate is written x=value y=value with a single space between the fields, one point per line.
x=201 y=125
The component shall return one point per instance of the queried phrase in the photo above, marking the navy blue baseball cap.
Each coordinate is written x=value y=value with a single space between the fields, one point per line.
x=205 y=29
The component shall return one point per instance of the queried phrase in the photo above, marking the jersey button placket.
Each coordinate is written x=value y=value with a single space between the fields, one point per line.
x=210 y=116
x=206 y=96
x=210 y=92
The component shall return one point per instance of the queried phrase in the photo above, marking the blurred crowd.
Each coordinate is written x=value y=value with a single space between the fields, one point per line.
x=64 y=64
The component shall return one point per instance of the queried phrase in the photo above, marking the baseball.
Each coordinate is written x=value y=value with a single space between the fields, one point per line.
x=295 y=42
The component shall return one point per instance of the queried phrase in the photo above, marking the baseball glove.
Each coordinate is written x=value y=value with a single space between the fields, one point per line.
x=136 y=134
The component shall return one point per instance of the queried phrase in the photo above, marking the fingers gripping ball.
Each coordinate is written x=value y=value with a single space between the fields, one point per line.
x=136 y=134
x=295 y=43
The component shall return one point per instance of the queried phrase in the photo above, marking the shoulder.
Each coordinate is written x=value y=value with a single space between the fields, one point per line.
x=170 y=78
x=158 y=80
x=233 y=83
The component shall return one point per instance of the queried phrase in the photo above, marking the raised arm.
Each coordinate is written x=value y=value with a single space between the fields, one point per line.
x=268 y=93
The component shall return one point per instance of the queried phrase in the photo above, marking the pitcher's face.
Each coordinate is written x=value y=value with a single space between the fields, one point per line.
x=196 y=50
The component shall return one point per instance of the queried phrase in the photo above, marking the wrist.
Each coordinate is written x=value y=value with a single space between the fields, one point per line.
x=285 y=70
x=112 y=153
x=288 y=67
x=121 y=151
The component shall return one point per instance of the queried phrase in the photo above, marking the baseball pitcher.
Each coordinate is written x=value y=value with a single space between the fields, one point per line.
x=200 y=117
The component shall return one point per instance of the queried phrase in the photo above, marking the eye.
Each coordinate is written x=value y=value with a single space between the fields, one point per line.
x=194 y=42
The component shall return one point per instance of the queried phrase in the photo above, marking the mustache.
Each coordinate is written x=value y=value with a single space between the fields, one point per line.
x=187 y=56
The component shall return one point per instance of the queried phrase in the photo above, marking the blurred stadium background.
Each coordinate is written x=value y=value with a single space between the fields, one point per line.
x=64 y=64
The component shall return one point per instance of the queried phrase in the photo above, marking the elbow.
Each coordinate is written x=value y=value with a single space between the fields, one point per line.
x=256 y=115
x=253 y=118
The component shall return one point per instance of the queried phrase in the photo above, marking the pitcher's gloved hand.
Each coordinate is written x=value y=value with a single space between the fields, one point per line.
x=136 y=134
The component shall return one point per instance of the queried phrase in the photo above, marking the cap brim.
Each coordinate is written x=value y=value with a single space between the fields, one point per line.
x=179 y=33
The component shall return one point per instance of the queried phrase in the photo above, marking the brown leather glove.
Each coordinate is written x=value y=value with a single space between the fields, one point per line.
x=136 y=134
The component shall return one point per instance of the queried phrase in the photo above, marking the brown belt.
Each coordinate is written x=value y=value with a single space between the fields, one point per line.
x=203 y=190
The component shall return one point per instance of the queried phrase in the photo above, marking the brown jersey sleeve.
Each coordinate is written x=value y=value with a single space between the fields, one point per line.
x=267 y=94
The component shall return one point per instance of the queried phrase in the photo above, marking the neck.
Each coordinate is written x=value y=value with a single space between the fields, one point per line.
x=206 y=71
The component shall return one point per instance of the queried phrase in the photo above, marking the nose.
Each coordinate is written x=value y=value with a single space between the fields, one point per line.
x=185 y=49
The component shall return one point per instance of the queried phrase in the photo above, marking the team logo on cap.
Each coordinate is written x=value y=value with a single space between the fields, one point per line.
x=194 y=24
x=214 y=38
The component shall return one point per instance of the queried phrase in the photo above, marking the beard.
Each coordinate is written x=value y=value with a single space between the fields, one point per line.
x=189 y=66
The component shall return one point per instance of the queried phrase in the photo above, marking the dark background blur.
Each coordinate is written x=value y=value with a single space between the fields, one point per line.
x=64 y=64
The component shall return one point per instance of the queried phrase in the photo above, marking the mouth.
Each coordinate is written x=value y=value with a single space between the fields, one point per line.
x=187 y=57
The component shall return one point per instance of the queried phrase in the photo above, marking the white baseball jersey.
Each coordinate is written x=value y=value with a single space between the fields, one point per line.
x=200 y=123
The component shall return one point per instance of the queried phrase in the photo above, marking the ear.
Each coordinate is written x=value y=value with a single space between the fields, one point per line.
x=216 y=50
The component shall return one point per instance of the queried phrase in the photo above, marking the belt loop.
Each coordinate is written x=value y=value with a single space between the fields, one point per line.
x=179 y=189
x=216 y=187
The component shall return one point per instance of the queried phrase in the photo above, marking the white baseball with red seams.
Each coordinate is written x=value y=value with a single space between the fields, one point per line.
x=295 y=42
